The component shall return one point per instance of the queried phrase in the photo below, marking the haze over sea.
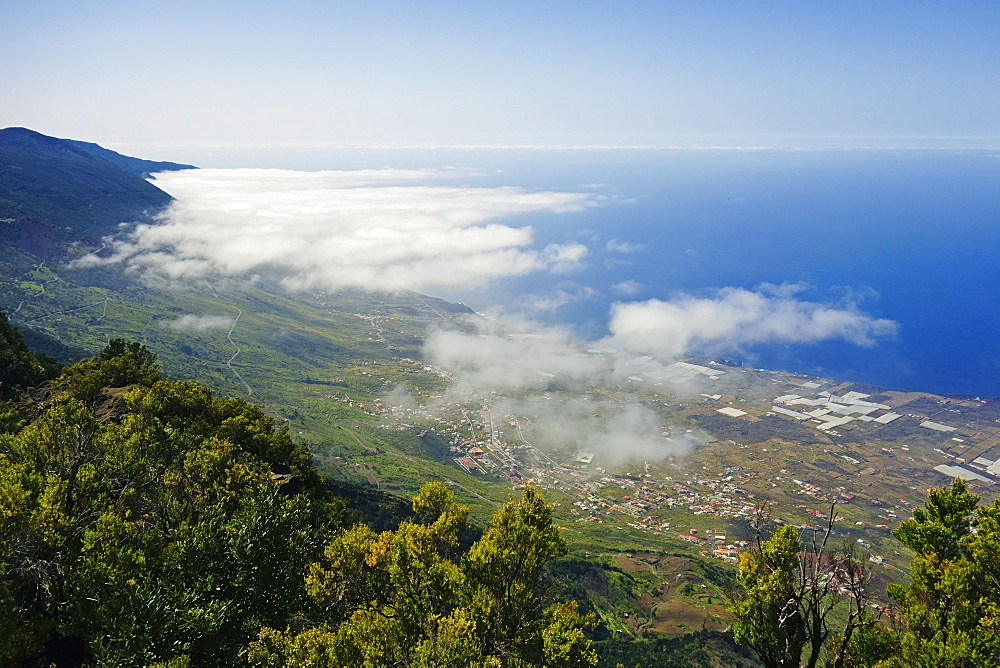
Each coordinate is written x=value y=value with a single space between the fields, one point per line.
x=907 y=235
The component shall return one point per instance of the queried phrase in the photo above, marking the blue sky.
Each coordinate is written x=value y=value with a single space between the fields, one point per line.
x=661 y=73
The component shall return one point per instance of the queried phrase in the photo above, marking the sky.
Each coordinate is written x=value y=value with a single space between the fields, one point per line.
x=581 y=73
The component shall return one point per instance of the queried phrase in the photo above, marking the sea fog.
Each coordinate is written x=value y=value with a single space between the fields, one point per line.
x=905 y=240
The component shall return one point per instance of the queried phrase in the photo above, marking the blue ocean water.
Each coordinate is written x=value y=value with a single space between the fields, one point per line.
x=908 y=235
x=912 y=236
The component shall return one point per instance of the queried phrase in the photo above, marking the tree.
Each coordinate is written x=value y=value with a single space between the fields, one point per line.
x=506 y=572
x=951 y=608
x=19 y=367
x=787 y=593
x=148 y=525
x=148 y=522
x=409 y=597
x=767 y=611
x=120 y=364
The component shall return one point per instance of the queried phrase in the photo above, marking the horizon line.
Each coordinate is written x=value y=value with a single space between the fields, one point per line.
x=986 y=142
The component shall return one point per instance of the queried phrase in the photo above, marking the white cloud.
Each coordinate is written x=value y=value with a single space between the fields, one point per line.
x=519 y=364
x=615 y=432
x=646 y=338
x=547 y=303
x=734 y=318
x=782 y=290
x=379 y=229
x=561 y=258
x=618 y=246
x=627 y=288
x=504 y=360
x=497 y=358
x=510 y=356
x=200 y=323
x=616 y=262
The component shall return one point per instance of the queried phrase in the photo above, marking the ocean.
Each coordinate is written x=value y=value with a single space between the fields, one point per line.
x=907 y=235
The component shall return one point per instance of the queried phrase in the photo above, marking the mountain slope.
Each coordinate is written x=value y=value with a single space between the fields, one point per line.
x=135 y=165
x=62 y=185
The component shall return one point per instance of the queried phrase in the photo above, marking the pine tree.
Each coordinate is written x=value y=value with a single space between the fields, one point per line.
x=952 y=606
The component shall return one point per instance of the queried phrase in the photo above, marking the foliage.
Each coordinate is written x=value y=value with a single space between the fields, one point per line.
x=767 y=611
x=381 y=511
x=412 y=597
x=950 y=611
x=871 y=646
x=952 y=606
x=787 y=594
x=147 y=521
x=152 y=522
x=19 y=367
x=120 y=364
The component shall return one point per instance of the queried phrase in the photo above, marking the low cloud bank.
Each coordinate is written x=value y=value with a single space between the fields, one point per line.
x=647 y=338
x=389 y=230
x=375 y=229
x=542 y=378
x=735 y=318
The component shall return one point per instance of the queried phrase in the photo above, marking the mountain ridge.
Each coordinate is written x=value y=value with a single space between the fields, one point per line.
x=80 y=191
x=138 y=166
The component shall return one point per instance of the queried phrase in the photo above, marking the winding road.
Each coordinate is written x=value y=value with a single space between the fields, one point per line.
x=229 y=362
